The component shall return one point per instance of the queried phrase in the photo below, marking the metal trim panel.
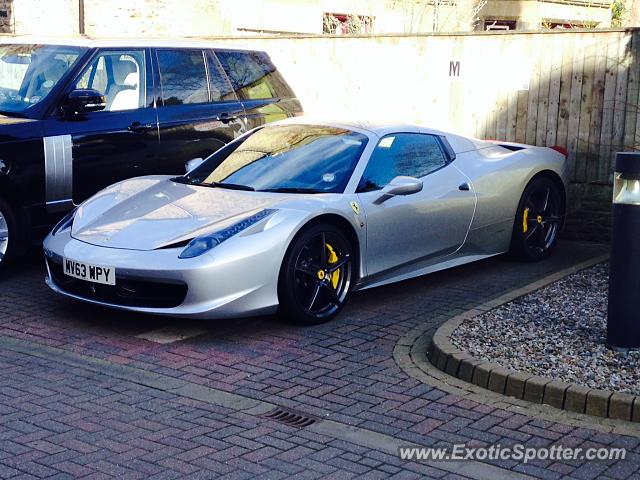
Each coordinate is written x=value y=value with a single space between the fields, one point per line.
x=58 y=165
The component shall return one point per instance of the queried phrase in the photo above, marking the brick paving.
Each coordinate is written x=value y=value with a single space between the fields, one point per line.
x=73 y=422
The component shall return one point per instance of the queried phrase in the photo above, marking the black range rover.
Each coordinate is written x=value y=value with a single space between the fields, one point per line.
x=79 y=115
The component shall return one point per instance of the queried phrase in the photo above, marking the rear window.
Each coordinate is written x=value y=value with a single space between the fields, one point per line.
x=253 y=75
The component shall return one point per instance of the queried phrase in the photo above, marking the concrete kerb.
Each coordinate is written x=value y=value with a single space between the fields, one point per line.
x=431 y=357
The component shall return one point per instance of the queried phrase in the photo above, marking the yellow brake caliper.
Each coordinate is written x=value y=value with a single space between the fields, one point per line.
x=525 y=219
x=333 y=258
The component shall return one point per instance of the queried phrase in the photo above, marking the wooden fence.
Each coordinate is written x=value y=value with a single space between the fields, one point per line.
x=578 y=89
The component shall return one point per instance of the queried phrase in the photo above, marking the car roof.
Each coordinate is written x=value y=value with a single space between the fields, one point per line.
x=378 y=128
x=91 y=42
x=459 y=143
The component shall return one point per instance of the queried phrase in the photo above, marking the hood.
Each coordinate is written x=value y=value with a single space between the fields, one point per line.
x=15 y=128
x=147 y=213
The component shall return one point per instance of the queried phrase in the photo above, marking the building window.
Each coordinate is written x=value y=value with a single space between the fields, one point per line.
x=551 y=25
x=499 y=25
x=346 y=24
x=4 y=14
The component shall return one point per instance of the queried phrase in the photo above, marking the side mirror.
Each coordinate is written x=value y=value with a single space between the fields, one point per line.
x=83 y=100
x=193 y=164
x=400 y=185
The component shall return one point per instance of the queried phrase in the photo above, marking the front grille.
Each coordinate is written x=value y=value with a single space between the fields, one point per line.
x=126 y=292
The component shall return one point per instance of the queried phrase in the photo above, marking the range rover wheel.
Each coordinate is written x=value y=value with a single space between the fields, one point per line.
x=7 y=232
x=316 y=275
x=538 y=220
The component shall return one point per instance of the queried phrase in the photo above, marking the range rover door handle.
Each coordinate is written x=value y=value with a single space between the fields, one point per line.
x=464 y=187
x=137 y=127
x=225 y=118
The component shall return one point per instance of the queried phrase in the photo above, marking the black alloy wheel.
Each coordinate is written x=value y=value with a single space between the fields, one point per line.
x=316 y=275
x=538 y=220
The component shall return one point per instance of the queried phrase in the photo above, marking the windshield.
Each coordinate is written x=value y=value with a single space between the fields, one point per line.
x=29 y=72
x=285 y=158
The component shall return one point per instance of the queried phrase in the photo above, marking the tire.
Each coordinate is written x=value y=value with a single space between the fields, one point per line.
x=8 y=233
x=538 y=221
x=316 y=275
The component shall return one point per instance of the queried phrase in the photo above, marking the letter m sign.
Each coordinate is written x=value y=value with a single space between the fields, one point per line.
x=454 y=68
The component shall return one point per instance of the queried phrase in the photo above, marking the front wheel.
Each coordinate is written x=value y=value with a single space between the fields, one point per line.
x=538 y=220
x=7 y=232
x=316 y=275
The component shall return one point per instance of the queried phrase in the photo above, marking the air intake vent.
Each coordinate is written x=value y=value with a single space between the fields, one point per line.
x=289 y=417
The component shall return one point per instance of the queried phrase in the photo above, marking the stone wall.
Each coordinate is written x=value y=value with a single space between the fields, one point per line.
x=6 y=16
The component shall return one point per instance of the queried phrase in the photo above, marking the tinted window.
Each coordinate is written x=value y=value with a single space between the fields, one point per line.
x=411 y=154
x=305 y=158
x=219 y=85
x=183 y=77
x=252 y=75
x=119 y=76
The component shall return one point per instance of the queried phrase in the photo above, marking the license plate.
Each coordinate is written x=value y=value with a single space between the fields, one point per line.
x=90 y=273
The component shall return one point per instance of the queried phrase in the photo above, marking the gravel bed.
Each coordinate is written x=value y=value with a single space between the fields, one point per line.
x=556 y=332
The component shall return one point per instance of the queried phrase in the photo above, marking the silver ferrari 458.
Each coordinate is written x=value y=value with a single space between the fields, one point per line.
x=293 y=216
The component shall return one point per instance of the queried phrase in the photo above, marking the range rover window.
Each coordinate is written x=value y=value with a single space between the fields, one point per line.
x=28 y=73
x=219 y=86
x=183 y=77
x=253 y=75
x=119 y=76
x=411 y=154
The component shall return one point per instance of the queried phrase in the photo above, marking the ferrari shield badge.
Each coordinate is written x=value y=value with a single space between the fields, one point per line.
x=355 y=207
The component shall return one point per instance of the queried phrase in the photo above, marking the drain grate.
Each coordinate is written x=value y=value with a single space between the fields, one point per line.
x=290 y=417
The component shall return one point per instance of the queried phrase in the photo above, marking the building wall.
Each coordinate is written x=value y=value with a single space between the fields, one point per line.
x=235 y=17
x=6 y=11
x=52 y=17
x=532 y=14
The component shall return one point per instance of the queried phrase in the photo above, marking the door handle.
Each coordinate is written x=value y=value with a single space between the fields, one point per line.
x=137 y=127
x=225 y=118
x=464 y=187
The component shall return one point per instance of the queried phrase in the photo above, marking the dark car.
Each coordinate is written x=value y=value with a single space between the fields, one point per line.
x=79 y=115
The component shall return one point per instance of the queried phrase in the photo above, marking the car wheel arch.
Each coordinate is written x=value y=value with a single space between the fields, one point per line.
x=344 y=225
x=556 y=179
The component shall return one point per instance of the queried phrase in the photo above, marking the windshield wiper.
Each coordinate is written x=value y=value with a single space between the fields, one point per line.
x=292 y=190
x=230 y=186
x=186 y=180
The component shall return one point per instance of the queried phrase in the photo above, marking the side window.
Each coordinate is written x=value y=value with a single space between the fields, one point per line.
x=219 y=86
x=119 y=76
x=253 y=75
x=411 y=154
x=95 y=77
x=183 y=77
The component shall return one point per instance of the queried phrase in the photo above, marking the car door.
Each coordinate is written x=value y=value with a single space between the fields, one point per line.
x=264 y=93
x=119 y=142
x=407 y=232
x=198 y=111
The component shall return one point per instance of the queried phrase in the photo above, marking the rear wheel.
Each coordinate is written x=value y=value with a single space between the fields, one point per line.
x=538 y=220
x=316 y=275
x=8 y=232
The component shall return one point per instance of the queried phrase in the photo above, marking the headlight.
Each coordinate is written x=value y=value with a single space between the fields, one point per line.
x=65 y=223
x=203 y=244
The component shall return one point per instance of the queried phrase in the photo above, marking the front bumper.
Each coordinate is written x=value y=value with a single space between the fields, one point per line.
x=236 y=279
